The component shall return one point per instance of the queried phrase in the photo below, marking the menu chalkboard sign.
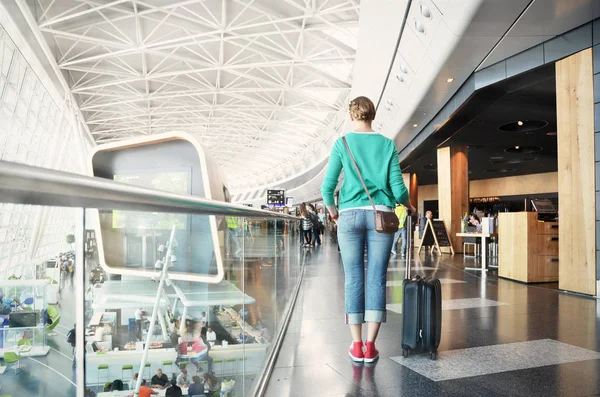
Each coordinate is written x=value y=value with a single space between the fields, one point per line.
x=435 y=234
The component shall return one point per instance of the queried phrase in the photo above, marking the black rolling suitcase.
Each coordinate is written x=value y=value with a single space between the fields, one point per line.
x=421 y=309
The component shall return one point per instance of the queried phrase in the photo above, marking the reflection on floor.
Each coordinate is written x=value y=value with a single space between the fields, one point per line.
x=500 y=338
x=52 y=375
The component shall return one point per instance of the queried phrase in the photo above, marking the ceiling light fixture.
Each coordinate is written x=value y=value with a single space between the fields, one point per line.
x=520 y=123
x=517 y=147
x=450 y=80
x=415 y=125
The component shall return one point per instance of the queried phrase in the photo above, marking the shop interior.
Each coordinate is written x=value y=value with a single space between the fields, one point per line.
x=510 y=131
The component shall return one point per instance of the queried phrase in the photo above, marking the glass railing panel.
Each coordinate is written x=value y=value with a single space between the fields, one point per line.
x=216 y=306
x=37 y=299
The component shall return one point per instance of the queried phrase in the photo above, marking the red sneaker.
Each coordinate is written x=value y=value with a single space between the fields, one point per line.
x=356 y=352
x=371 y=353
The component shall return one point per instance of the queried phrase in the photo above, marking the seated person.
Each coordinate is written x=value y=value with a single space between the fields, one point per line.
x=182 y=379
x=100 y=331
x=160 y=380
x=174 y=390
x=145 y=391
x=133 y=381
x=474 y=221
x=196 y=388
x=211 y=336
x=211 y=383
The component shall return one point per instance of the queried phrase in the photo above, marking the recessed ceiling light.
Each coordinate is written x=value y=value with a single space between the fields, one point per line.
x=517 y=147
x=415 y=125
x=450 y=80
x=520 y=126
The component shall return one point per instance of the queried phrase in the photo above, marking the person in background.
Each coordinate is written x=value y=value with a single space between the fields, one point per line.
x=211 y=336
x=376 y=158
x=160 y=380
x=401 y=233
x=145 y=391
x=133 y=381
x=322 y=220
x=475 y=221
x=203 y=319
x=182 y=379
x=138 y=322
x=174 y=390
x=196 y=388
x=211 y=382
x=231 y=237
x=72 y=340
x=99 y=334
x=307 y=226
x=316 y=229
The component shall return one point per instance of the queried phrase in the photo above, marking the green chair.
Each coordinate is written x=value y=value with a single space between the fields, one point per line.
x=52 y=312
x=232 y=367
x=50 y=328
x=202 y=364
x=126 y=367
x=183 y=364
x=169 y=363
x=24 y=345
x=215 y=362
x=106 y=385
x=11 y=358
x=148 y=367
x=103 y=367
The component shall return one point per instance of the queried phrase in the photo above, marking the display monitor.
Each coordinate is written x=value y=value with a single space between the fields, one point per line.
x=543 y=206
x=23 y=319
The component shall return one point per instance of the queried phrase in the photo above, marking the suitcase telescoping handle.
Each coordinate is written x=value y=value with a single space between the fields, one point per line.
x=409 y=236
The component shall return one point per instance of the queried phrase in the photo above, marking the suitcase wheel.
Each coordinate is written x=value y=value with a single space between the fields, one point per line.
x=433 y=355
x=404 y=353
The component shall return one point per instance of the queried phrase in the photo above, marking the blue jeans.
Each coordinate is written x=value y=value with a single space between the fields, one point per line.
x=355 y=228
x=400 y=233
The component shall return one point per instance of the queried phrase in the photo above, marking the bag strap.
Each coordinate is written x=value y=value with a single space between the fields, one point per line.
x=358 y=172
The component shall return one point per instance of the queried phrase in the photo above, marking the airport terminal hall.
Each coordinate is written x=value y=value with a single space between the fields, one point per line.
x=299 y=198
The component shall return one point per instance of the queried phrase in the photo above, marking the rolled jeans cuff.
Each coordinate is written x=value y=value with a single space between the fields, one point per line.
x=355 y=318
x=375 y=316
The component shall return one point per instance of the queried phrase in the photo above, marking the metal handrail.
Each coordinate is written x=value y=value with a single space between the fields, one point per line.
x=26 y=184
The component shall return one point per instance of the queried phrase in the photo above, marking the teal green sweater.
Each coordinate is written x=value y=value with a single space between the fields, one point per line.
x=377 y=159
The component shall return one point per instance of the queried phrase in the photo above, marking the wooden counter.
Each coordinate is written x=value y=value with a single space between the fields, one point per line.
x=527 y=248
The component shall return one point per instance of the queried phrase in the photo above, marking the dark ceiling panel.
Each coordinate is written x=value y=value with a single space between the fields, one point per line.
x=527 y=97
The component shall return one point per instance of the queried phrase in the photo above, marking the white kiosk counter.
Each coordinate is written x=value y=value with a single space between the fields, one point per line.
x=116 y=359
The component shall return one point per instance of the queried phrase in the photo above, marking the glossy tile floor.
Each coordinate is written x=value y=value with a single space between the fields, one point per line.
x=486 y=321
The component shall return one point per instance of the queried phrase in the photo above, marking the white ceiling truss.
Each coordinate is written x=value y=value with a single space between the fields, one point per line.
x=261 y=83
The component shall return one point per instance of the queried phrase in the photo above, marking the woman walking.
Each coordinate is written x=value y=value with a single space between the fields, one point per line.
x=377 y=160
x=307 y=226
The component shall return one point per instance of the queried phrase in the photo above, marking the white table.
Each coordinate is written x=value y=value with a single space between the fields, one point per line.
x=483 y=237
x=126 y=393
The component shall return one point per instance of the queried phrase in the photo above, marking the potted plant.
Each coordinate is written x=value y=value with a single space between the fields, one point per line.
x=71 y=239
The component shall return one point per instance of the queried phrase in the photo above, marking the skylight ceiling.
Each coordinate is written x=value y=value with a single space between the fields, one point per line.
x=261 y=83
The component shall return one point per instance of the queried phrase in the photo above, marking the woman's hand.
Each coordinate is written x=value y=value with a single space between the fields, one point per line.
x=333 y=212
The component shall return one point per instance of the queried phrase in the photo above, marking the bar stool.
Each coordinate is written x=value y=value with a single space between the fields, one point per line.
x=103 y=367
x=215 y=362
x=241 y=361
x=183 y=364
x=148 y=367
x=124 y=368
x=228 y=362
x=202 y=363
x=170 y=364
